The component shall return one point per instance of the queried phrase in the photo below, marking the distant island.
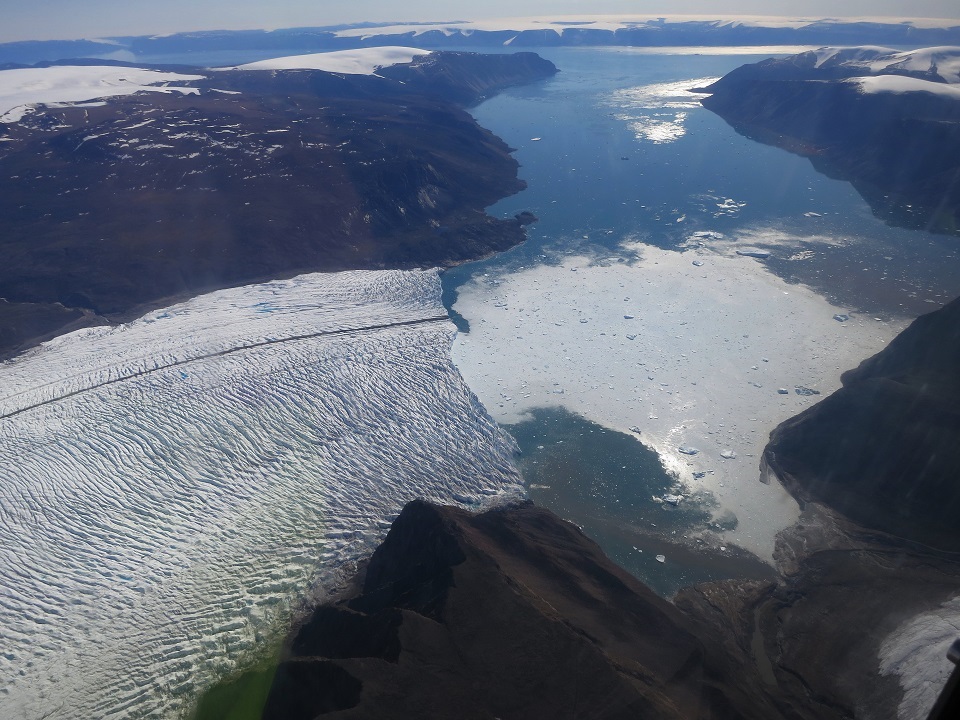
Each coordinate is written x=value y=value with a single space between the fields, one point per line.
x=228 y=177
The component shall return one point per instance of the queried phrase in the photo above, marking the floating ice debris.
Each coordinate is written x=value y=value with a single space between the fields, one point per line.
x=751 y=252
x=698 y=263
x=687 y=450
x=535 y=139
x=634 y=428
x=812 y=214
x=723 y=548
x=841 y=317
x=728 y=455
x=801 y=390
x=765 y=359
x=661 y=558
x=584 y=320
x=628 y=317
x=699 y=474
x=783 y=391
x=706 y=235
x=631 y=337
x=672 y=499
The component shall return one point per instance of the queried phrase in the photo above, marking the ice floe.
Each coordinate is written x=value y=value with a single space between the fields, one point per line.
x=686 y=380
x=172 y=486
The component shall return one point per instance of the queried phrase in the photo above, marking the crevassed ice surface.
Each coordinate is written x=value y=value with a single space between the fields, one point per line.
x=170 y=486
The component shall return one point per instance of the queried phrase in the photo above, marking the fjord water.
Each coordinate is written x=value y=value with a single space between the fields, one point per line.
x=565 y=344
x=624 y=146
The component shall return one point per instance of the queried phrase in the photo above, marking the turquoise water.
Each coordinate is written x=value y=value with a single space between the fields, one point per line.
x=613 y=488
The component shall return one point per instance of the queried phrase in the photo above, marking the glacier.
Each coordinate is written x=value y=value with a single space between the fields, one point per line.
x=173 y=487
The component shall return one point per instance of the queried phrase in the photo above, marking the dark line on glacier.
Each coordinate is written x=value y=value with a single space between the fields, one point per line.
x=221 y=353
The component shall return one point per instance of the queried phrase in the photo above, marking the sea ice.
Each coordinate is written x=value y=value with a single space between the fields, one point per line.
x=684 y=381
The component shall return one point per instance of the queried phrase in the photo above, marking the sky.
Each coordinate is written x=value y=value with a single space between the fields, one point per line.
x=70 y=19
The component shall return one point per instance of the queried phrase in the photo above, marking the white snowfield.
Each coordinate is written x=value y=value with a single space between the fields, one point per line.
x=878 y=62
x=944 y=61
x=560 y=23
x=365 y=61
x=900 y=84
x=916 y=652
x=23 y=88
x=170 y=487
x=844 y=55
x=872 y=59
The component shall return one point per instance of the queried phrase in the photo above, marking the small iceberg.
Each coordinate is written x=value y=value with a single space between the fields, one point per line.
x=728 y=455
x=687 y=450
x=841 y=317
x=672 y=499
x=661 y=558
x=754 y=253
x=801 y=390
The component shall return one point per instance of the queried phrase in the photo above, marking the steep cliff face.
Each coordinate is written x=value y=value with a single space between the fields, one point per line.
x=511 y=614
x=888 y=126
x=885 y=448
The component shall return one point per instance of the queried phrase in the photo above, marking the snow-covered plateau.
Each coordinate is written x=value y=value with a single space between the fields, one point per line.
x=363 y=61
x=173 y=485
x=22 y=88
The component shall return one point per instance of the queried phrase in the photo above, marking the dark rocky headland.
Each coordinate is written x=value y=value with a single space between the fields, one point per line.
x=900 y=150
x=106 y=211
